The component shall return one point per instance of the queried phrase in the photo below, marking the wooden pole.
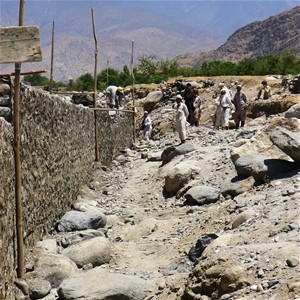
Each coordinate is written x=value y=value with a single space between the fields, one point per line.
x=133 y=98
x=18 y=174
x=52 y=57
x=24 y=73
x=107 y=62
x=95 y=87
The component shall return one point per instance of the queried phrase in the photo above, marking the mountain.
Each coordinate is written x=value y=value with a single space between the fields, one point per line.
x=164 y=29
x=272 y=36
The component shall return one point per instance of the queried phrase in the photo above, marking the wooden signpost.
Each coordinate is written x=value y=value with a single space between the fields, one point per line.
x=17 y=45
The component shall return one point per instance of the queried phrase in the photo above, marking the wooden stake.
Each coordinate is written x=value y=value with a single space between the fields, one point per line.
x=133 y=99
x=52 y=56
x=107 y=62
x=95 y=87
x=18 y=174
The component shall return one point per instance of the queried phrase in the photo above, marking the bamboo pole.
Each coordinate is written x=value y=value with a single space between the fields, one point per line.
x=133 y=99
x=52 y=57
x=95 y=87
x=107 y=62
x=18 y=174
x=24 y=73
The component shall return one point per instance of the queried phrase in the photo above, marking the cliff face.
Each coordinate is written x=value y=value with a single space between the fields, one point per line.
x=272 y=36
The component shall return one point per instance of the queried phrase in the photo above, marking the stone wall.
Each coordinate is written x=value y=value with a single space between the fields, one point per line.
x=58 y=152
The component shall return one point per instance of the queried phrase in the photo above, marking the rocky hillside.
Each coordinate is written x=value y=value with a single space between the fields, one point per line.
x=272 y=36
x=213 y=219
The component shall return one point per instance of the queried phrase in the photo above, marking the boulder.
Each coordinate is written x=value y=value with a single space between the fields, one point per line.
x=96 y=251
x=293 y=112
x=76 y=237
x=287 y=141
x=171 y=152
x=53 y=268
x=178 y=176
x=39 y=288
x=202 y=194
x=270 y=107
x=261 y=167
x=76 y=220
x=101 y=284
x=151 y=100
x=236 y=186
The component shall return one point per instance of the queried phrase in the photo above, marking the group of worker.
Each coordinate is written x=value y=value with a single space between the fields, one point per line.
x=188 y=109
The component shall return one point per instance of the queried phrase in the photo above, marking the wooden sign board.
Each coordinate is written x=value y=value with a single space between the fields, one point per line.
x=20 y=44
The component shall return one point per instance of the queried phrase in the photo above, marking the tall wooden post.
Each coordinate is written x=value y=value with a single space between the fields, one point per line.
x=52 y=57
x=107 y=81
x=132 y=88
x=19 y=44
x=95 y=87
x=18 y=174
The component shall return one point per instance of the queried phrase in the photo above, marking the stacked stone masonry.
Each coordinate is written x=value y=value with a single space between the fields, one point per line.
x=57 y=154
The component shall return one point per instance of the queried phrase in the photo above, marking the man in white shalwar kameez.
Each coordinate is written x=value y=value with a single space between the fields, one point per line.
x=147 y=126
x=181 y=116
x=223 y=103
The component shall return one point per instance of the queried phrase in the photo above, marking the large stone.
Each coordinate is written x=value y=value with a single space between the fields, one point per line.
x=171 y=152
x=96 y=251
x=262 y=167
x=76 y=237
x=39 y=288
x=102 y=285
x=293 y=112
x=287 y=141
x=151 y=100
x=202 y=194
x=270 y=107
x=53 y=268
x=76 y=220
x=236 y=186
x=178 y=176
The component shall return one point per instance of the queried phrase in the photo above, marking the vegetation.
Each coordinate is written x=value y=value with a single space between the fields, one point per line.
x=150 y=70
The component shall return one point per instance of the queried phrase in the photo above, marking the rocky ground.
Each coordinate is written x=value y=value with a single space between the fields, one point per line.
x=194 y=221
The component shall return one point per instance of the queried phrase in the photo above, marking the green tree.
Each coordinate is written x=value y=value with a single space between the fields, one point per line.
x=37 y=80
x=246 y=67
x=289 y=63
x=84 y=82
